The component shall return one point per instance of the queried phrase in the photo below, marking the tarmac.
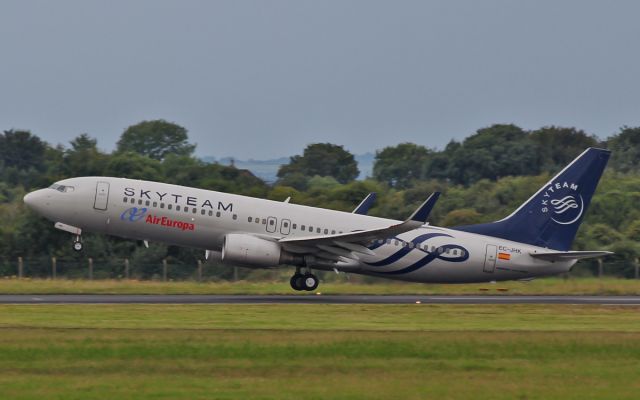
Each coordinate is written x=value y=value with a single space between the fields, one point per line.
x=312 y=299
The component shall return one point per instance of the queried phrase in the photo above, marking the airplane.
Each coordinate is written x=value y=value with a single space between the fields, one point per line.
x=533 y=241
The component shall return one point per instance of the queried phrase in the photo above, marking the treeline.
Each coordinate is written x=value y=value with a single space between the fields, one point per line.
x=482 y=178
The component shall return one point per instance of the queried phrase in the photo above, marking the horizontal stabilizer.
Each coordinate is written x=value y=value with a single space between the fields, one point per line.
x=569 y=255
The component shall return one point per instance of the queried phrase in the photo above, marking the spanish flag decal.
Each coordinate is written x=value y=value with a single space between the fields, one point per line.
x=504 y=256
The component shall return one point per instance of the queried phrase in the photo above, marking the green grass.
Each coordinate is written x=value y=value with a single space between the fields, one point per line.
x=413 y=351
x=548 y=286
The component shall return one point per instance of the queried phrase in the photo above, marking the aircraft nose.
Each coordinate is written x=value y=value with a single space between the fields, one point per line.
x=35 y=200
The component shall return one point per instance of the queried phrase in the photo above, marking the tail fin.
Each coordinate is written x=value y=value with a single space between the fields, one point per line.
x=551 y=217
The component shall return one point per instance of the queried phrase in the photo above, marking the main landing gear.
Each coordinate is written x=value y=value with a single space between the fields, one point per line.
x=77 y=244
x=307 y=281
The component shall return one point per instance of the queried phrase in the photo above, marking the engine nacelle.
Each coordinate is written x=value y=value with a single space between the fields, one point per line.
x=251 y=251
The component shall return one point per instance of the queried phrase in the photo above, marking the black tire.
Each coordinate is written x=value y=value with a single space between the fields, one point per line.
x=77 y=246
x=296 y=282
x=310 y=282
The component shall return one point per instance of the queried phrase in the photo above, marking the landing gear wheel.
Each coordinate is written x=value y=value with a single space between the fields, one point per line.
x=310 y=282
x=297 y=282
x=77 y=245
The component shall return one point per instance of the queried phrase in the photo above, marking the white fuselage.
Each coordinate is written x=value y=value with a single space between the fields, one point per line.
x=197 y=218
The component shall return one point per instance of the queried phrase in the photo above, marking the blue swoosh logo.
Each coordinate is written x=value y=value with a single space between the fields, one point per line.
x=429 y=257
x=133 y=214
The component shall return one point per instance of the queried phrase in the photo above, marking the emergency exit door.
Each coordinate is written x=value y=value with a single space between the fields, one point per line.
x=272 y=224
x=102 y=196
x=490 y=258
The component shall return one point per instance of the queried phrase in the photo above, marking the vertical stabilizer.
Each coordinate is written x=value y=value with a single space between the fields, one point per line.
x=551 y=217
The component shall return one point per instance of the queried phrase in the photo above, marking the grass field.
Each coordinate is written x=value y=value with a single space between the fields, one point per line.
x=319 y=352
x=547 y=286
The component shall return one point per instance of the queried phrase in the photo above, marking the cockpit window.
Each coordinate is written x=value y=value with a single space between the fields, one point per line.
x=61 y=188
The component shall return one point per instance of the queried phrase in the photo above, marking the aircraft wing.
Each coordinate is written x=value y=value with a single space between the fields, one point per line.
x=349 y=243
x=569 y=255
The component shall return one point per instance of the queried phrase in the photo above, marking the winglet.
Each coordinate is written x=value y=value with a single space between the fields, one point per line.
x=365 y=205
x=422 y=213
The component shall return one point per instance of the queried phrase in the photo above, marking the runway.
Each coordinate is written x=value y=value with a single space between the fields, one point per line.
x=313 y=299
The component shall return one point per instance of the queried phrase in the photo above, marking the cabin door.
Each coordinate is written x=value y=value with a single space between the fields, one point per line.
x=102 y=196
x=490 y=258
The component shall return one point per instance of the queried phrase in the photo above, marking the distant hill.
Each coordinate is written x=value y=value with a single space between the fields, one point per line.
x=267 y=170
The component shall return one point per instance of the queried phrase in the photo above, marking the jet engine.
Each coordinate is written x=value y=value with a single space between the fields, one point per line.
x=252 y=251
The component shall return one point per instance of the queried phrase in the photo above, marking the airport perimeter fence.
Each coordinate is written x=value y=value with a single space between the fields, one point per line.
x=199 y=270
x=122 y=268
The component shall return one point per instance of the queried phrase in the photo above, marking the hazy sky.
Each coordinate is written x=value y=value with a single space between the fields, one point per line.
x=264 y=78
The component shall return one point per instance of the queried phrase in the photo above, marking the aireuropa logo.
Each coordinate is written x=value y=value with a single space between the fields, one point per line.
x=133 y=214
x=564 y=202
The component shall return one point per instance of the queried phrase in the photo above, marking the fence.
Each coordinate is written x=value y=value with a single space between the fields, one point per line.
x=198 y=270
x=115 y=268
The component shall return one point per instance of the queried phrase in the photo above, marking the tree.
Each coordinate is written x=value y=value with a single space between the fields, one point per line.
x=625 y=147
x=322 y=159
x=84 y=158
x=464 y=216
x=22 y=150
x=155 y=139
x=558 y=146
x=492 y=153
x=134 y=166
x=400 y=165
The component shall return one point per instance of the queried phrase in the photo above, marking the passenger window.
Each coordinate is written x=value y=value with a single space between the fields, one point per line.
x=161 y=205
x=326 y=231
x=272 y=222
x=170 y=206
x=257 y=220
x=318 y=230
x=264 y=221
x=125 y=200
x=203 y=211
x=286 y=224
x=195 y=210
x=333 y=232
x=455 y=252
x=302 y=227
x=147 y=203
x=388 y=241
x=133 y=201
x=177 y=208
x=210 y=213
x=250 y=219
x=155 y=204
x=218 y=214
x=397 y=242
x=294 y=226
x=311 y=229
x=235 y=216
x=140 y=202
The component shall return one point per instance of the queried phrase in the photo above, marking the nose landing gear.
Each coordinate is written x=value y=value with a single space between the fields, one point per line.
x=307 y=281
x=77 y=244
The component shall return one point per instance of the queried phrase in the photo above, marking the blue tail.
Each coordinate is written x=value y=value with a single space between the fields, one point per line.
x=551 y=217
